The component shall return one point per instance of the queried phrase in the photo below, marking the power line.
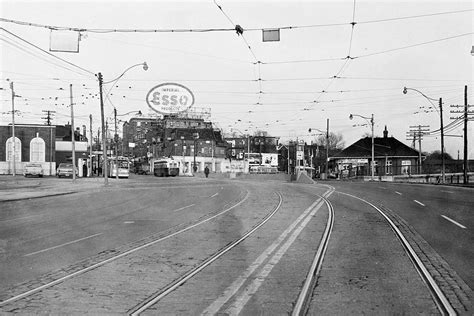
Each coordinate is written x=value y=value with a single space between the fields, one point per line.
x=197 y=30
x=46 y=52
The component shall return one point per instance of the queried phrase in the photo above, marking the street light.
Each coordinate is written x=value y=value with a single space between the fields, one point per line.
x=371 y=120
x=405 y=90
x=101 y=82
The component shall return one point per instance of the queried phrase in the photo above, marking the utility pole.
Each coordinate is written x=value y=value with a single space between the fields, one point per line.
x=465 y=136
x=327 y=150
x=443 y=178
x=73 y=144
x=417 y=133
x=90 y=147
x=465 y=117
x=13 y=130
x=48 y=119
x=116 y=144
x=104 y=149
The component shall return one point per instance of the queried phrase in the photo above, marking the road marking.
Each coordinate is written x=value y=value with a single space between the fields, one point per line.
x=214 y=195
x=398 y=193
x=129 y=222
x=184 y=207
x=293 y=231
x=19 y=218
x=447 y=191
x=453 y=221
x=65 y=244
x=419 y=203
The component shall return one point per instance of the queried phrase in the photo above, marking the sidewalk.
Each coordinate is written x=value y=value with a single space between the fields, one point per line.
x=21 y=188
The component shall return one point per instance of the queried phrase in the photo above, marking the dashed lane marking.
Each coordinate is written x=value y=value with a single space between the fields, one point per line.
x=216 y=194
x=184 y=207
x=419 y=203
x=62 y=245
x=398 y=193
x=453 y=221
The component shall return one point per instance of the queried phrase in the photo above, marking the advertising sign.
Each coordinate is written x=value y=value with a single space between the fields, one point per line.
x=170 y=98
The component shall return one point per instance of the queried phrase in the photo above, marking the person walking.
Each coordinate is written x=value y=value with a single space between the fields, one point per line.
x=206 y=171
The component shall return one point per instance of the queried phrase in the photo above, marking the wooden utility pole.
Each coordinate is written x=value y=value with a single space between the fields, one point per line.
x=416 y=133
x=90 y=149
x=13 y=131
x=73 y=144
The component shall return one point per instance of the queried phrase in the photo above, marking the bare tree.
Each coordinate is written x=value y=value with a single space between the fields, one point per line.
x=336 y=142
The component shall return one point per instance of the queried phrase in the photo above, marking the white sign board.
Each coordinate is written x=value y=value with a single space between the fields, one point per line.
x=299 y=155
x=170 y=98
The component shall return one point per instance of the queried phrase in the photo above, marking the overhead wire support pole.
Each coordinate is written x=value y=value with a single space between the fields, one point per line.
x=443 y=175
x=90 y=147
x=72 y=137
x=13 y=131
x=116 y=144
x=104 y=139
x=465 y=180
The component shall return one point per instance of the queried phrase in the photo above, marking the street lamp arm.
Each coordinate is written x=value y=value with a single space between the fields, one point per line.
x=405 y=89
x=369 y=119
x=138 y=113
x=145 y=67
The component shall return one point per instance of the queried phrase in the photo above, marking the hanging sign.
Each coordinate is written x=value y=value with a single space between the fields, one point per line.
x=170 y=98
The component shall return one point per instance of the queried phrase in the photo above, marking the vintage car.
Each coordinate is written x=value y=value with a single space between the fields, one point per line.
x=33 y=169
x=65 y=170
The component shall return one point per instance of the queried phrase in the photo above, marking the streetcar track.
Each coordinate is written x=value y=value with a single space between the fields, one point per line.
x=438 y=295
x=303 y=300
x=153 y=299
x=160 y=238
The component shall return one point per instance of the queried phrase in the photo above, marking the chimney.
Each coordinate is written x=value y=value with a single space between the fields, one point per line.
x=385 y=132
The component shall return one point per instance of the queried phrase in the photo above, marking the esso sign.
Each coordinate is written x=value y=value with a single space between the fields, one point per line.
x=170 y=98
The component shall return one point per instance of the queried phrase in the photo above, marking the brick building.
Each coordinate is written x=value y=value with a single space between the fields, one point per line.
x=34 y=143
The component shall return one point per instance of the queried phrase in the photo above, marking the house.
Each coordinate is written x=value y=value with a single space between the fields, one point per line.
x=391 y=157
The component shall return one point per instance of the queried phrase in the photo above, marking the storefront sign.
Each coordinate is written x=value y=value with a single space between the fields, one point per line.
x=170 y=98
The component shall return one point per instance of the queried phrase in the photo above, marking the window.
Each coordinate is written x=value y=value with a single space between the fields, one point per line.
x=37 y=150
x=388 y=167
x=10 y=149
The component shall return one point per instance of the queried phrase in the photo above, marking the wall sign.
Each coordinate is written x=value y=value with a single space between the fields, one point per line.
x=170 y=98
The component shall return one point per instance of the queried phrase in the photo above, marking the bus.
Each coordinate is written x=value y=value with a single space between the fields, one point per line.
x=165 y=168
x=123 y=168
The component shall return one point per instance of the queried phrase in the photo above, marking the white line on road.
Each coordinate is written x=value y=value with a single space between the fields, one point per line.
x=214 y=195
x=419 y=203
x=398 y=193
x=447 y=191
x=453 y=221
x=65 y=244
x=184 y=207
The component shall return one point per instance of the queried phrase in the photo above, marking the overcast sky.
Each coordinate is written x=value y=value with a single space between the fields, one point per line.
x=305 y=78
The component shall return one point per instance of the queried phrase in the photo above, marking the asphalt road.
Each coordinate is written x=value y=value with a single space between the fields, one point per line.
x=152 y=232
x=442 y=215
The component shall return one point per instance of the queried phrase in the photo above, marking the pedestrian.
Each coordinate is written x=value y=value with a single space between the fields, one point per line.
x=206 y=171
x=84 y=170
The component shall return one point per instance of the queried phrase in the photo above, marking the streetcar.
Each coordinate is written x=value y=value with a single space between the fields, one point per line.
x=123 y=167
x=165 y=168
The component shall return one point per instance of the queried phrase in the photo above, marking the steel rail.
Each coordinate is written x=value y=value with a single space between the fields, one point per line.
x=143 y=306
x=302 y=303
x=101 y=263
x=440 y=299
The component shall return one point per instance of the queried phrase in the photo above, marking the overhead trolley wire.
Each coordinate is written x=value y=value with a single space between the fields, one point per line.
x=46 y=52
x=193 y=30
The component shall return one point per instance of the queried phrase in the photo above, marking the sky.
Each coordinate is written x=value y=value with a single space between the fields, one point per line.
x=334 y=58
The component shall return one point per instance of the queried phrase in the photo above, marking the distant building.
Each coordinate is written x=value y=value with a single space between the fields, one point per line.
x=391 y=157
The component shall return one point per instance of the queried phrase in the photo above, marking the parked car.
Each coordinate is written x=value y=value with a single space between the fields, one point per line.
x=33 y=169
x=65 y=170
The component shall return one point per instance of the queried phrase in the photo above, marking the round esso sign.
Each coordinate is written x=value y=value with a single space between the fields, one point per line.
x=170 y=98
